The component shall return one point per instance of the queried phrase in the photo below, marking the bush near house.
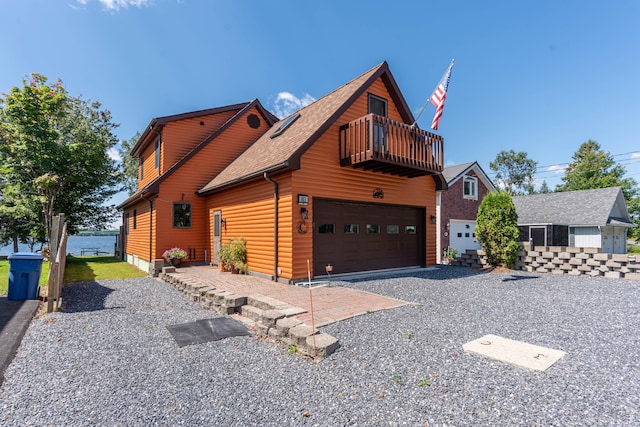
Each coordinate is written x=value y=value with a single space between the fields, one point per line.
x=497 y=229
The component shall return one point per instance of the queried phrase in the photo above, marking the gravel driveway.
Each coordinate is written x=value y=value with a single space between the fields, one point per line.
x=109 y=360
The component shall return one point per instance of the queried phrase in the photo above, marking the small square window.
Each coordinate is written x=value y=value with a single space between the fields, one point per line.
x=182 y=215
x=393 y=229
x=373 y=229
x=410 y=229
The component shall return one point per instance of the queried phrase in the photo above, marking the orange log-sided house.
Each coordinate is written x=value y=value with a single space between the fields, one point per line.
x=344 y=181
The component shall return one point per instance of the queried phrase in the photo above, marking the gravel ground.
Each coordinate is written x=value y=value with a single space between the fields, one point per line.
x=109 y=359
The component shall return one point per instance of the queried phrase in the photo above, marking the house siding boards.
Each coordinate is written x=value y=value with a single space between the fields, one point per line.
x=180 y=137
x=181 y=185
x=248 y=209
x=226 y=175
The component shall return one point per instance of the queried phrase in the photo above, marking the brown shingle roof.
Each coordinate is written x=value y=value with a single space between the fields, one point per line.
x=284 y=151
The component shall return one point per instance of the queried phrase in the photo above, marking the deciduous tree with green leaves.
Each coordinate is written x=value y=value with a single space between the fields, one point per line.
x=514 y=172
x=497 y=229
x=54 y=155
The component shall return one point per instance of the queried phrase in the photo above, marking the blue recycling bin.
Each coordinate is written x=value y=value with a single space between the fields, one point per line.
x=24 y=275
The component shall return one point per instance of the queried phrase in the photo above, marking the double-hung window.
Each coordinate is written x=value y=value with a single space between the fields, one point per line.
x=470 y=188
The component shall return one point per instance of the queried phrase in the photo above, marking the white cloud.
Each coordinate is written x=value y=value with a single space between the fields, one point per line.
x=116 y=5
x=635 y=155
x=114 y=154
x=556 y=168
x=287 y=103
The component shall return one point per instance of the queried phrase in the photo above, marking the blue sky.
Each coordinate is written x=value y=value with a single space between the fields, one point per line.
x=534 y=76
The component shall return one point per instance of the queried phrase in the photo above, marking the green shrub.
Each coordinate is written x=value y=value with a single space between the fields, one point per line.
x=497 y=229
x=234 y=254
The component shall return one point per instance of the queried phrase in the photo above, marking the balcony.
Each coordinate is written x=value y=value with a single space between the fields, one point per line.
x=383 y=145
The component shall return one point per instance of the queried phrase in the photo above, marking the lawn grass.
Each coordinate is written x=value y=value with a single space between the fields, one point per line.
x=80 y=269
x=88 y=268
x=633 y=249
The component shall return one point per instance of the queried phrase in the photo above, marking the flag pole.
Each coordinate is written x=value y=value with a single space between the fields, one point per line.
x=429 y=98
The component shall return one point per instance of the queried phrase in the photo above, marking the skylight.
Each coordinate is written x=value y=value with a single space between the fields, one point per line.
x=285 y=124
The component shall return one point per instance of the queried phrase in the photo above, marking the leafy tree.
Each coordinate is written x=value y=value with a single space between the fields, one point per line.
x=593 y=168
x=497 y=229
x=544 y=188
x=633 y=206
x=54 y=156
x=129 y=164
x=514 y=172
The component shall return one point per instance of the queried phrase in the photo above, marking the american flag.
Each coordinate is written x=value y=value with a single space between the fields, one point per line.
x=439 y=95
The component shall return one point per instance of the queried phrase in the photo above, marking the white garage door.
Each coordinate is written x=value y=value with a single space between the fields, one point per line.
x=462 y=235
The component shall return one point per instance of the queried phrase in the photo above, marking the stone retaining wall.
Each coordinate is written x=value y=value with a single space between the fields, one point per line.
x=563 y=260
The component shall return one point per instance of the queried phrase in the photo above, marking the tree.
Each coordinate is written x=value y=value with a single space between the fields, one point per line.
x=497 y=229
x=593 y=168
x=544 y=188
x=129 y=165
x=54 y=155
x=514 y=172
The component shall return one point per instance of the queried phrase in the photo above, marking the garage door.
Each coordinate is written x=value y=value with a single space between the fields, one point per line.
x=360 y=237
x=462 y=235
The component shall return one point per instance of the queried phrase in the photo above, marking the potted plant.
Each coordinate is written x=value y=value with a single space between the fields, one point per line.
x=450 y=254
x=174 y=256
x=233 y=255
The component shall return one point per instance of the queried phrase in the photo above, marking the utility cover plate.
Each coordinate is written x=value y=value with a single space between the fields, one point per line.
x=206 y=330
x=518 y=353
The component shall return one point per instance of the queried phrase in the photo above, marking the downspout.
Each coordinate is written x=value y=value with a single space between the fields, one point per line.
x=150 y=228
x=275 y=226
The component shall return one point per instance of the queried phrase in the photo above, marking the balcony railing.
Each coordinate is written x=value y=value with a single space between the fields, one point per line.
x=384 y=145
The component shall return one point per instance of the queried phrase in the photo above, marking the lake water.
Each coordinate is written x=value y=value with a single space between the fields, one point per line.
x=75 y=244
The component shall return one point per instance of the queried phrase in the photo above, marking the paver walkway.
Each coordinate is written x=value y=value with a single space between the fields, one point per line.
x=330 y=303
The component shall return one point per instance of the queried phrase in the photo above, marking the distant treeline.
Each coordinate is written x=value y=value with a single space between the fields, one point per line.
x=97 y=233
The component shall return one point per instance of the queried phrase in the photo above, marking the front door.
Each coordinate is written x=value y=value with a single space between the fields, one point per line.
x=217 y=235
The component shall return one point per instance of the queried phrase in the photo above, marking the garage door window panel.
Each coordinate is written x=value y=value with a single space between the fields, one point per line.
x=327 y=229
x=351 y=228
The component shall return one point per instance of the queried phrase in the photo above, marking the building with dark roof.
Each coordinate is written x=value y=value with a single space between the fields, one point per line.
x=596 y=218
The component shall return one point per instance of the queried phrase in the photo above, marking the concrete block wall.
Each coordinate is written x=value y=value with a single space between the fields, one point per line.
x=563 y=260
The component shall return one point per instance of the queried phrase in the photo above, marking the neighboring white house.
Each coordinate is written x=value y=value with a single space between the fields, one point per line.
x=585 y=219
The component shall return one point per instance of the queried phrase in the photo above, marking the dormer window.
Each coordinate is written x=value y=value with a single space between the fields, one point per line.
x=470 y=188
x=285 y=124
